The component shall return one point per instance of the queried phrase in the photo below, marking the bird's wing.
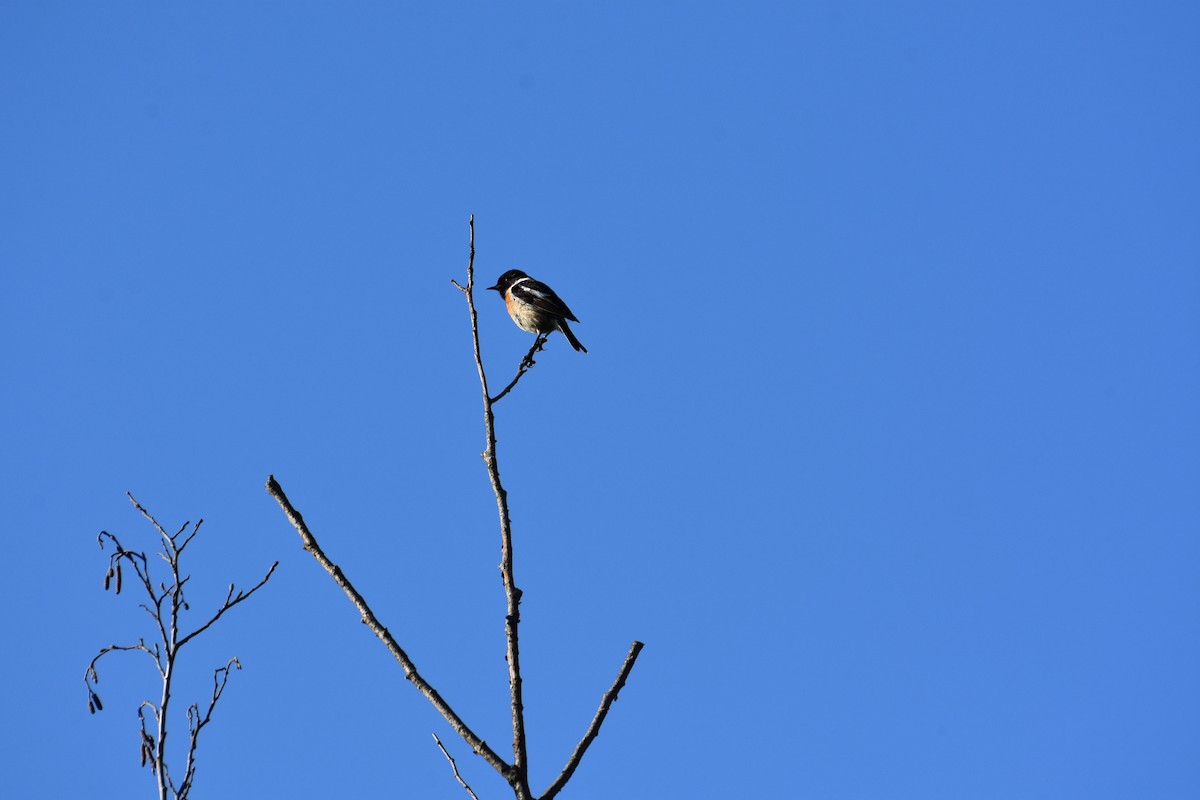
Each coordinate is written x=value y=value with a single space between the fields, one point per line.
x=542 y=297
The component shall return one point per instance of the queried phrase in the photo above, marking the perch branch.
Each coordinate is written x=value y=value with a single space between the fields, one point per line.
x=538 y=343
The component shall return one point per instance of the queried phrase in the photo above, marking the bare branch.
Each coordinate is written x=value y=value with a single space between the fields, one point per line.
x=594 y=729
x=454 y=767
x=166 y=603
x=368 y=617
x=512 y=618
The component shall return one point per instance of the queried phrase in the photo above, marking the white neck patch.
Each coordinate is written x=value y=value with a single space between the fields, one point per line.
x=527 y=288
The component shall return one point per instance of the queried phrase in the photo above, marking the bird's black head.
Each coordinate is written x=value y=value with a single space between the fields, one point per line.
x=507 y=280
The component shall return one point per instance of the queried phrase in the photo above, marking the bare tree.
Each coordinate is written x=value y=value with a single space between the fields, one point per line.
x=165 y=607
x=516 y=772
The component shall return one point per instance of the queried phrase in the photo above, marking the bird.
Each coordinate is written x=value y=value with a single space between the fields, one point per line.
x=535 y=307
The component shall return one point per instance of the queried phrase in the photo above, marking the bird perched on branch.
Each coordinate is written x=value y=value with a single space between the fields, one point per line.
x=535 y=307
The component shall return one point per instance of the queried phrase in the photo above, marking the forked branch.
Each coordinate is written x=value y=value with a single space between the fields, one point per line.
x=516 y=773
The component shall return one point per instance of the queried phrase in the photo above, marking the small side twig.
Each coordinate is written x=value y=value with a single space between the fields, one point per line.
x=231 y=600
x=538 y=343
x=454 y=767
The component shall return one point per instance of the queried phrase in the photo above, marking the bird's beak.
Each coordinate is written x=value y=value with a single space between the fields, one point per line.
x=495 y=288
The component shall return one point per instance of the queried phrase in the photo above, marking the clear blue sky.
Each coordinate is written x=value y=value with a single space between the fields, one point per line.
x=887 y=443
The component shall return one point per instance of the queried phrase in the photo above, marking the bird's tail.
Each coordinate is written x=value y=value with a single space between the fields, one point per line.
x=562 y=326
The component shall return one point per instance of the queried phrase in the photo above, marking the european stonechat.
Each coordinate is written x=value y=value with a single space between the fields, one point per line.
x=535 y=307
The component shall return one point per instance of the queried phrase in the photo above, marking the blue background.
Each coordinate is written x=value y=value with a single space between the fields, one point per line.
x=887 y=443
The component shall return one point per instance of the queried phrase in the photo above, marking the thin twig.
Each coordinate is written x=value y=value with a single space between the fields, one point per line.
x=149 y=516
x=196 y=723
x=230 y=602
x=368 y=617
x=92 y=676
x=594 y=729
x=538 y=343
x=454 y=767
